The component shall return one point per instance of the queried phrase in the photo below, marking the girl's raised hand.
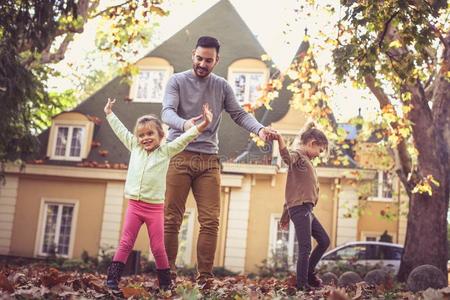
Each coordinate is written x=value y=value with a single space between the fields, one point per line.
x=207 y=118
x=207 y=114
x=109 y=105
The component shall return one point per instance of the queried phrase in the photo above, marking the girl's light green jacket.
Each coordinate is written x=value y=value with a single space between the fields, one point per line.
x=146 y=177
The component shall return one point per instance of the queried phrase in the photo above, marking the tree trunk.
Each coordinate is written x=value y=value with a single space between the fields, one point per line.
x=426 y=233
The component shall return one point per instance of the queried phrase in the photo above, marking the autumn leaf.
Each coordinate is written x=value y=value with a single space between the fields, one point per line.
x=395 y=44
x=5 y=284
x=265 y=57
x=134 y=292
x=53 y=277
x=158 y=10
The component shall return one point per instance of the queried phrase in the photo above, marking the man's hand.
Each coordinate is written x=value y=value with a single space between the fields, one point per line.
x=207 y=118
x=267 y=134
x=109 y=105
x=191 y=122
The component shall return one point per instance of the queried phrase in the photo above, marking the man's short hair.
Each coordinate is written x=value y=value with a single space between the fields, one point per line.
x=208 y=42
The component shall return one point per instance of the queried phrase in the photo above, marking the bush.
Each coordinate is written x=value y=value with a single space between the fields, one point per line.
x=424 y=277
x=329 y=278
x=377 y=277
x=269 y=269
x=348 y=279
x=340 y=268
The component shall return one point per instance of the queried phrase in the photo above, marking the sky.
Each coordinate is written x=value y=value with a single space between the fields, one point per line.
x=280 y=38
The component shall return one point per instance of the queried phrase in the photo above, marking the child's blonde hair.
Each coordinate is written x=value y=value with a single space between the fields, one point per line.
x=144 y=120
x=310 y=132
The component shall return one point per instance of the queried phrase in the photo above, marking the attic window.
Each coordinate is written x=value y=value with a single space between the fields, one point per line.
x=70 y=137
x=69 y=142
x=246 y=77
x=149 y=84
x=246 y=85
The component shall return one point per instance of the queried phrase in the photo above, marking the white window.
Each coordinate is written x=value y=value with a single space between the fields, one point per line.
x=57 y=229
x=246 y=85
x=69 y=142
x=185 y=238
x=382 y=187
x=150 y=84
x=283 y=243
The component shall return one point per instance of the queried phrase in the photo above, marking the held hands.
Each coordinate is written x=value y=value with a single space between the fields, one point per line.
x=109 y=105
x=268 y=134
x=207 y=118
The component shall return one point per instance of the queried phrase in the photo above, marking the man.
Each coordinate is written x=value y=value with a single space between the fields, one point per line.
x=198 y=167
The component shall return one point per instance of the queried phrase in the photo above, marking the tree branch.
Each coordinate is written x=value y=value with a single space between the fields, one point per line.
x=58 y=55
x=110 y=8
x=386 y=27
x=404 y=159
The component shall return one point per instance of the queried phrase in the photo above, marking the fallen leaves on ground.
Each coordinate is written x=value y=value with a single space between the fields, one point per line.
x=42 y=282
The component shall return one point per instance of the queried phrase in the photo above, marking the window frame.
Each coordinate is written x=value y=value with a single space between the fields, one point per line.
x=380 y=186
x=42 y=222
x=135 y=83
x=71 y=128
x=273 y=230
x=233 y=70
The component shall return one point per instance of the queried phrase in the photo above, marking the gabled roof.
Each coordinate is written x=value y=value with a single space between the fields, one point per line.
x=237 y=42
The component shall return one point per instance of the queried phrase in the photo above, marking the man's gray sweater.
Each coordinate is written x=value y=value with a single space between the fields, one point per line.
x=183 y=99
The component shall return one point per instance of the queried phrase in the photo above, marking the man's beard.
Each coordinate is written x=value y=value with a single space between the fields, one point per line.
x=203 y=71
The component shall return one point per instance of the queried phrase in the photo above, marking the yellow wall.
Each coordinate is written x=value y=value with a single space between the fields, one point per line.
x=32 y=190
x=266 y=200
x=372 y=221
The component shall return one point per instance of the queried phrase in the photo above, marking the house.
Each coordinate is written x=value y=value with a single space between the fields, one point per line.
x=71 y=196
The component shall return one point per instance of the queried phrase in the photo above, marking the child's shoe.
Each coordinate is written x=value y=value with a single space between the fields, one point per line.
x=314 y=280
x=305 y=288
x=164 y=279
x=114 y=274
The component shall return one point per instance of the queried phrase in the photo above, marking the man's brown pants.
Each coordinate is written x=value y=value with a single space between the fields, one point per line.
x=201 y=172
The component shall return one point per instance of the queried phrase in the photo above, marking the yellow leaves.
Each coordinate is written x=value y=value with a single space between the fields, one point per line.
x=447 y=76
x=331 y=42
x=315 y=78
x=292 y=74
x=404 y=132
x=306 y=38
x=257 y=140
x=158 y=11
x=395 y=44
x=277 y=84
x=406 y=109
x=406 y=96
x=424 y=185
x=265 y=57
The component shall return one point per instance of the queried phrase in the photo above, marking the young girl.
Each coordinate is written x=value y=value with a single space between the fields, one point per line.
x=145 y=187
x=301 y=195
